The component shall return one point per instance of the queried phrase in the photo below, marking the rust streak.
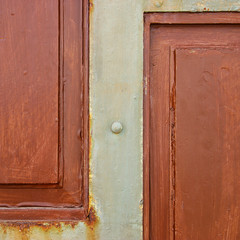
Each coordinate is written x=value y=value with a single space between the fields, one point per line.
x=91 y=7
x=23 y=226
x=92 y=224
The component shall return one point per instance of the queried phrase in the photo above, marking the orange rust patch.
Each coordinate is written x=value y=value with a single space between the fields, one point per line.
x=25 y=226
x=91 y=6
x=92 y=218
x=92 y=224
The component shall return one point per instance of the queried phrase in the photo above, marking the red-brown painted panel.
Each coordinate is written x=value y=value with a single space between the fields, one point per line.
x=207 y=143
x=191 y=135
x=29 y=91
x=159 y=145
x=44 y=109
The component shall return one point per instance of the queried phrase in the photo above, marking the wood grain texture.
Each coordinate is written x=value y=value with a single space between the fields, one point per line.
x=191 y=120
x=68 y=199
x=29 y=92
x=146 y=120
x=159 y=144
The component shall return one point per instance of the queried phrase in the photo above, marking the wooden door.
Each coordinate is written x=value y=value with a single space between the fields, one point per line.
x=192 y=126
x=43 y=110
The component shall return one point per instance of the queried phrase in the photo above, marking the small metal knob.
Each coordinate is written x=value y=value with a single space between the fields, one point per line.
x=117 y=127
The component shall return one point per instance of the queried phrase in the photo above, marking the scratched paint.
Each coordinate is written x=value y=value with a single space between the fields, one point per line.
x=116 y=70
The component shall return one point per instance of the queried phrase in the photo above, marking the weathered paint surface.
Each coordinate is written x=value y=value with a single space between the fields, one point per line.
x=191 y=5
x=116 y=70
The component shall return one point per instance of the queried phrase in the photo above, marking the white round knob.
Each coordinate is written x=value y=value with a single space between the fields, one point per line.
x=116 y=127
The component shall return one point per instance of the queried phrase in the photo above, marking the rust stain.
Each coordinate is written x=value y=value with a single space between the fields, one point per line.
x=206 y=9
x=91 y=6
x=92 y=220
x=25 y=227
x=92 y=225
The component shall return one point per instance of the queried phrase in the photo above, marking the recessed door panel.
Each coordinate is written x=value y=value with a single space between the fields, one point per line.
x=29 y=88
x=207 y=138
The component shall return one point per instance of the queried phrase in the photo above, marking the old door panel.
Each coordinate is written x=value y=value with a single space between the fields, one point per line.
x=194 y=114
x=43 y=118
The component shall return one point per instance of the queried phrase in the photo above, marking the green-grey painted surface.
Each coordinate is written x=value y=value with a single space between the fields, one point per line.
x=116 y=76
